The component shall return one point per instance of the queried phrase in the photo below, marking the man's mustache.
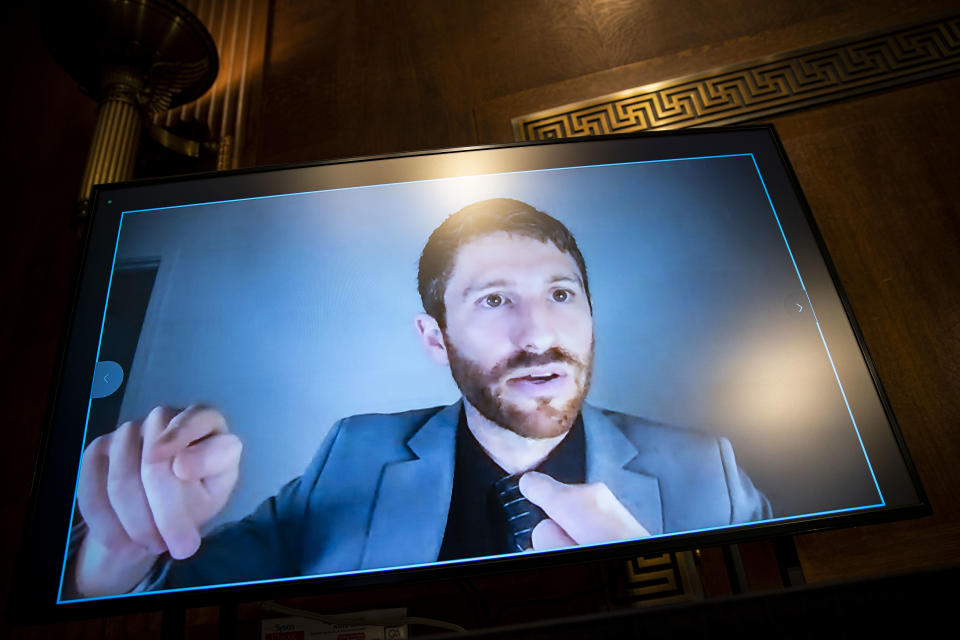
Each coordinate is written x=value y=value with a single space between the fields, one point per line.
x=523 y=359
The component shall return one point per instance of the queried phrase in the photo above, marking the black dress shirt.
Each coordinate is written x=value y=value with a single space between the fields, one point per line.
x=473 y=526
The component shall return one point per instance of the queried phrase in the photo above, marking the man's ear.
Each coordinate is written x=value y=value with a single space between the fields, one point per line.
x=432 y=337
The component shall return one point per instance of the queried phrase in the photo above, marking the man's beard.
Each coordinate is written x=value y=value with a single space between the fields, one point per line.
x=484 y=390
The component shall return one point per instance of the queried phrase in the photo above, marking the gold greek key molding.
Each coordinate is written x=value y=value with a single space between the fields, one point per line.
x=760 y=88
x=658 y=579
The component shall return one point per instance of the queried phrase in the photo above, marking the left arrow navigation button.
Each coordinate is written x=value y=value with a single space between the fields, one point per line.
x=107 y=378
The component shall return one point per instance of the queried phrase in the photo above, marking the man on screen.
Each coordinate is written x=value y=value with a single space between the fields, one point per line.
x=519 y=462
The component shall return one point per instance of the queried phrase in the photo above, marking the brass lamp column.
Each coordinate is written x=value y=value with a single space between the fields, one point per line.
x=113 y=149
x=133 y=57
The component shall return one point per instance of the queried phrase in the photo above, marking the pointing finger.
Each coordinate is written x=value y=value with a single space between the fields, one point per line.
x=544 y=491
x=125 y=488
x=560 y=501
x=588 y=513
x=92 y=498
x=167 y=432
x=548 y=535
x=207 y=458
x=167 y=498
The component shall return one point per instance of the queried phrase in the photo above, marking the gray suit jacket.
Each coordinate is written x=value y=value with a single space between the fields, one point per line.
x=378 y=491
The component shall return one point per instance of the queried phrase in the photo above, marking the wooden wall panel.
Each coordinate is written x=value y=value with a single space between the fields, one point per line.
x=358 y=78
x=880 y=174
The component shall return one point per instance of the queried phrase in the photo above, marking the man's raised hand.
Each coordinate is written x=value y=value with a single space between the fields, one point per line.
x=577 y=513
x=147 y=488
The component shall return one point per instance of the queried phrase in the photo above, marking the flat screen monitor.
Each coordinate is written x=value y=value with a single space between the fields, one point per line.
x=372 y=370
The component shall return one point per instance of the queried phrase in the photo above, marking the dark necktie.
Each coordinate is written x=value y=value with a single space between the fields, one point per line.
x=514 y=516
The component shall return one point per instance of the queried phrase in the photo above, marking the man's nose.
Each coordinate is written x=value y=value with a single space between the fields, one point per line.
x=535 y=331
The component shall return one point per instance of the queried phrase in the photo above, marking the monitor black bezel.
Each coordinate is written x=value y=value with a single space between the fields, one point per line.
x=26 y=602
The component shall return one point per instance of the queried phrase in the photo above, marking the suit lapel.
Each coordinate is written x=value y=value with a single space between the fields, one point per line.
x=413 y=499
x=609 y=458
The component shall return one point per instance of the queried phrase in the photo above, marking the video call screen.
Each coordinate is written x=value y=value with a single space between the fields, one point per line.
x=287 y=300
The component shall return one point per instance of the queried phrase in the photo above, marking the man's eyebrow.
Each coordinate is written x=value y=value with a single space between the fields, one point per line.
x=487 y=284
x=567 y=277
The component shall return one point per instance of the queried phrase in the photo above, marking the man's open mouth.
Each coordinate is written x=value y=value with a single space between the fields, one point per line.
x=536 y=378
x=539 y=379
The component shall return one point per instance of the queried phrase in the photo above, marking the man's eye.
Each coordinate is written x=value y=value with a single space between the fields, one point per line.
x=561 y=295
x=493 y=300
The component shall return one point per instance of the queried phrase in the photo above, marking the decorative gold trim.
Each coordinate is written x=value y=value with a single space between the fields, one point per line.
x=658 y=579
x=760 y=88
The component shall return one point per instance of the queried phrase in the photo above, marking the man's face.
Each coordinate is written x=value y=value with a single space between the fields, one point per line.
x=519 y=333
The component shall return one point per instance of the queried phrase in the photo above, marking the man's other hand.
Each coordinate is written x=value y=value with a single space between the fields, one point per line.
x=577 y=513
x=147 y=488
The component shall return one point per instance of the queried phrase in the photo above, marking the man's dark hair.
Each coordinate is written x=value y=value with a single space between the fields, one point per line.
x=475 y=221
